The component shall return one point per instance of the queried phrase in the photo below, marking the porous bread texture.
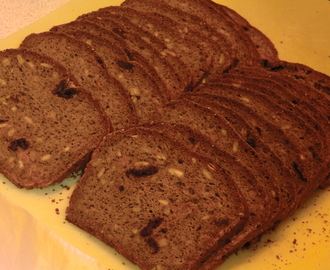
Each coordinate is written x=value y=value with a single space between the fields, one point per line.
x=293 y=130
x=244 y=49
x=200 y=53
x=225 y=135
x=144 y=42
x=147 y=195
x=261 y=203
x=48 y=123
x=147 y=91
x=155 y=202
x=183 y=48
x=89 y=70
x=189 y=24
x=137 y=50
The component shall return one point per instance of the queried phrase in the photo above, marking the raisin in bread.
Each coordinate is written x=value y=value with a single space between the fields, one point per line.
x=155 y=202
x=48 y=123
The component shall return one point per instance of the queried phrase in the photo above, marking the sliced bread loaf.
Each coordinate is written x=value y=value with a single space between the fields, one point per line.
x=301 y=73
x=224 y=136
x=173 y=31
x=155 y=202
x=48 y=123
x=307 y=103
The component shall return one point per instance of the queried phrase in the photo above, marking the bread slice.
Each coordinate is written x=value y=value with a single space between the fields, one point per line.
x=155 y=202
x=266 y=142
x=316 y=81
x=243 y=46
x=152 y=48
x=301 y=73
x=312 y=152
x=147 y=58
x=48 y=123
x=299 y=95
x=282 y=97
x=306 y=102
x=194 y=54
x=207 y=53
x=222 y=134
x=85 y=65
x=264 y=45
x=146 y=90
x=261 y=203
x=224 y=57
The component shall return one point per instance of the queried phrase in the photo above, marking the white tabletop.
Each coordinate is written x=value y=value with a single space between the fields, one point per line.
x=16 y=14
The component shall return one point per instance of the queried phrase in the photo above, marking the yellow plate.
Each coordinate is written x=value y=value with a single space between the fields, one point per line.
x=299 y=30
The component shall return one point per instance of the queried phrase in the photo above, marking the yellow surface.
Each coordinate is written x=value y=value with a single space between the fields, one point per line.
x=300 y=31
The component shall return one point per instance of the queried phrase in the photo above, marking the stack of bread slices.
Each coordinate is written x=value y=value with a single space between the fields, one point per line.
x=194 y=137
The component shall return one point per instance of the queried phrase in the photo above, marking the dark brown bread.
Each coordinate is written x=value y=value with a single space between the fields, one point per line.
x=223 y=135
x=224 y=56
x=305 y=101
x=301 y=73
x=313 y=119
x=146 y=90
x=183 y=46
x=146 y=44
x=239 y=139
x=195 y=46
x=155 y=202
x=140 y=52
x=299 y=95
x=312 y=152
x=255 y=133
x=48 y=123
x=85 y=65
x=261 y=204
x=264 y=45
x=243 y=46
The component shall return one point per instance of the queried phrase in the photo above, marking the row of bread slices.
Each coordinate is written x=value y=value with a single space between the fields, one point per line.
x=150 y=57
x=261 y=127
